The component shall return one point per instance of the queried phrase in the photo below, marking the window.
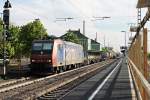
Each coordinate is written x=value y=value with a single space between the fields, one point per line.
x=37 y=46
x=47 y=46
x=41 y=46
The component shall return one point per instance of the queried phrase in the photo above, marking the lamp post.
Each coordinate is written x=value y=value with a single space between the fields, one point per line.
x=125 y=47
x=6 y=34
x=124 y=38
x=83 y=27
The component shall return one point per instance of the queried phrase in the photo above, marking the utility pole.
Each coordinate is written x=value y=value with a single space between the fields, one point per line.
x=6 y=34
x=125 y=46
x=108 y=43
x=96 y=37
x=124 y=38
x=83 y=27
x=104 y=41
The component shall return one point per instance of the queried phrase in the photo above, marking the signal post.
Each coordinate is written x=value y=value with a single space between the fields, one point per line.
x=6 y=34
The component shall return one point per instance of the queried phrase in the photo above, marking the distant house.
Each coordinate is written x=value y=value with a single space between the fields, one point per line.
x=93 y=45
x=83 y=40
x=89 y=45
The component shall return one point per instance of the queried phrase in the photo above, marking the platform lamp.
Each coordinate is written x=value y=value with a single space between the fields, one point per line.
x=124 y=37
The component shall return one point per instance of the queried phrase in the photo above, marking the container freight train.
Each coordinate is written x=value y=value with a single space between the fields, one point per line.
x=55 y=56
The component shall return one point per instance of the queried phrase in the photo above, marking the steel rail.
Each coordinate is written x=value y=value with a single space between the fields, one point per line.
x=66 y=81
x=41 y=79
x=91 y=97
x=61 y=92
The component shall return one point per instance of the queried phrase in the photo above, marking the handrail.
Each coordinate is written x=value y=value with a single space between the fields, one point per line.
x=145 y=83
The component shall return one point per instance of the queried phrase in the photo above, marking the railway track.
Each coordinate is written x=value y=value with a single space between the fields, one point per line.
x=12 y=82
x=113 y=82
x=36 y=88
x=61 y=92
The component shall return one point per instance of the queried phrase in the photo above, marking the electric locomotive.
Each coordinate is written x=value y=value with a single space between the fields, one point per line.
x=55 y=56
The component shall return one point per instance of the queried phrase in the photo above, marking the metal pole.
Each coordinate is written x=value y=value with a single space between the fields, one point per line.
x=96 y=37
x=83 y=27
x=125 y=38
x=4 y=49
x=6 y=7
x=104 y=41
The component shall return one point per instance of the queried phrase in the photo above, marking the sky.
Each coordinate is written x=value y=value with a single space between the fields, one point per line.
x=122 y=12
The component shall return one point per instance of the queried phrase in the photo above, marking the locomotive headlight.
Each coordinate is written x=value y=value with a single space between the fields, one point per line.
x=33 y=60
x=49 y=60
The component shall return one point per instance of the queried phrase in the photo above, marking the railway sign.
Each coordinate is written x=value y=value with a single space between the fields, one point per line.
x=143 y=3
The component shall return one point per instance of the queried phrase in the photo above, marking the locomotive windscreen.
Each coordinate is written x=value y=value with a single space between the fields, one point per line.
x=41 y=54
x=41 y=46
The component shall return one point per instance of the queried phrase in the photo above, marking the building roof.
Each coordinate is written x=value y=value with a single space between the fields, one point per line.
x=81 y=36
x=143 y=3
x=78 y=33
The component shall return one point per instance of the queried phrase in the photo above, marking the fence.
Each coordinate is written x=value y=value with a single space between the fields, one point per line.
x=137 y=60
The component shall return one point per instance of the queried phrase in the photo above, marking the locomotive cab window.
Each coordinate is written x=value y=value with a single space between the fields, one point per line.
x=37 y=46
x=47 y=46
x=41 y=46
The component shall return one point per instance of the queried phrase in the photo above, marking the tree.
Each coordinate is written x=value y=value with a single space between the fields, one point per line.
x=13 y=45
x=52 y=37
x=21 y=38
x=70 y=36
x=1 y=29
x=104 y=49
x=1 y=38
x=148 y=55
x=32 y=31
x=9 y=47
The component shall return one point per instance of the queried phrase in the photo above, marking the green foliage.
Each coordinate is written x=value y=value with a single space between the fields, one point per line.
x=104 y=49
x=13 y=46
x=1 y=27
x=32 y=31
x=1 y=35
x=21 y=38
x=70 y=36
x=148 y=55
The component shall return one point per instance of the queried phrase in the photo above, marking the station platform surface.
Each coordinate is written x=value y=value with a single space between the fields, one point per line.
x=117 y=87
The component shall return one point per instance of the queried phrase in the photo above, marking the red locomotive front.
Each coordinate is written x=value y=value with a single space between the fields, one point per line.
x=41 y=56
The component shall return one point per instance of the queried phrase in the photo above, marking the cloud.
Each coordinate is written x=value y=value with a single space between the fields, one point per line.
x=121 y=12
